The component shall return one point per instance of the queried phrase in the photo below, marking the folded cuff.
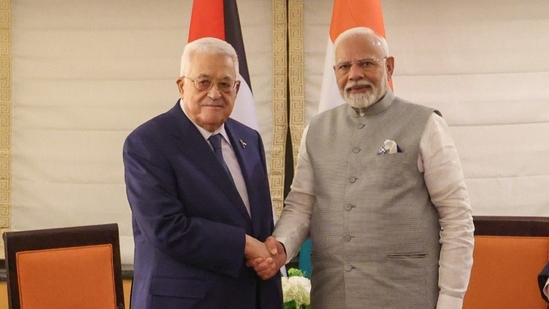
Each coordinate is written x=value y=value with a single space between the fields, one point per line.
x=449 y=302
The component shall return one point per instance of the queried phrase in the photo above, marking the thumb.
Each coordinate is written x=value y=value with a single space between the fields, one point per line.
x=271 y=243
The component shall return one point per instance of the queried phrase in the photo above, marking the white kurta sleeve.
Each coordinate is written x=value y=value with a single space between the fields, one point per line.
x=439 y=160
x=292 y=229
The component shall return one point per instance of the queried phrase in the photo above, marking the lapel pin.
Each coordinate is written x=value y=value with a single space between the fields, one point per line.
x=243 y=144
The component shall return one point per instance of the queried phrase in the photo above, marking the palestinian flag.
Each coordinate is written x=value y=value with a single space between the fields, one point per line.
x=219 y=19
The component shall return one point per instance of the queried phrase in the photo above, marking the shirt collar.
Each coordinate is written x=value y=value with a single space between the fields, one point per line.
x=205 y=133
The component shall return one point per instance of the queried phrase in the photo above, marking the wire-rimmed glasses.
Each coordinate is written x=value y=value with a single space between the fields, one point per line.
x=203 y=83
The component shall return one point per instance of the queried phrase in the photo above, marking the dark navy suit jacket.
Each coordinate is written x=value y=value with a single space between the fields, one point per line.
x=189 y=222
x=542 y=280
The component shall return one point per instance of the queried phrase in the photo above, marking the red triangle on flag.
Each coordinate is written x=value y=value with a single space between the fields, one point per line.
x=207 y=20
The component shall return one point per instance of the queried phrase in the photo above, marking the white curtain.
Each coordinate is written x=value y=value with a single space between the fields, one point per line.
x=85 y=73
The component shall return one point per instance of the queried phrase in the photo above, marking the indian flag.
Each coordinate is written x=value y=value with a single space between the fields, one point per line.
x=219 y=19
x=346 y=14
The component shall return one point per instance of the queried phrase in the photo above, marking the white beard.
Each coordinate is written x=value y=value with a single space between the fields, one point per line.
x=364 y=100
x=360 y=100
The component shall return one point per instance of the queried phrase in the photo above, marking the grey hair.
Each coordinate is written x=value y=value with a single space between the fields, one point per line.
x=364 y=32
x=207 y=45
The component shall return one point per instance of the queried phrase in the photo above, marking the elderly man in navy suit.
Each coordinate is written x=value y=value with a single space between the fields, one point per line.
x=197 y=185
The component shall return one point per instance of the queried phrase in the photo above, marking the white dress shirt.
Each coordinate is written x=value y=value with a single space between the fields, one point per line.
x=439 y=160
x=229 y=157
x=546 y=288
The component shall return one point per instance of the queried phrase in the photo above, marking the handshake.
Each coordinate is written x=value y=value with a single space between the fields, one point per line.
x=266 y=258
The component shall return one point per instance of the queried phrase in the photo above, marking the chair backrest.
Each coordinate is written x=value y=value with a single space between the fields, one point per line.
x=70 y=267
x=508 y=256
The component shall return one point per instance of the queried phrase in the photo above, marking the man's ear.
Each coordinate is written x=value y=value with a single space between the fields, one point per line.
x=237 y=87
x=390 y=66
x=180 y=82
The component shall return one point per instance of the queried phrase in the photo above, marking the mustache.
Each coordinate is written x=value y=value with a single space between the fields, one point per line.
x=210 y=102
x=352 y=84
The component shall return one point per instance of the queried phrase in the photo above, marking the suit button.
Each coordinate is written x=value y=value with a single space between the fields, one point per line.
x=347 y=238
x=352 y=179
x=361 y=125
x=356 y=150
x=348 y=207
x=348 y=268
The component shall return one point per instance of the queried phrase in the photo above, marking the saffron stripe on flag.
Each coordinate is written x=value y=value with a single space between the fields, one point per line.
x=348 y=14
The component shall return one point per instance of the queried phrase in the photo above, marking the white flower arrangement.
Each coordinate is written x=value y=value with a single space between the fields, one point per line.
x=296 y=289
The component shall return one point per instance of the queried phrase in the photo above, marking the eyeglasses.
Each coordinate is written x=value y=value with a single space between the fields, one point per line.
x=366 y=65
x=206 y=83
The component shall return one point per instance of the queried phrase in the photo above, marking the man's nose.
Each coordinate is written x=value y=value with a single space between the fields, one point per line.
x=355 y=72
x=214 y=92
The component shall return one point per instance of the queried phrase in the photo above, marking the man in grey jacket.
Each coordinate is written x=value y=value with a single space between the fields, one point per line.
x=380 y=191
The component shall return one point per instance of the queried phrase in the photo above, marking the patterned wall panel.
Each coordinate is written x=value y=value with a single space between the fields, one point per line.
x=296 y=73
x=5 y=118
x=280 y=90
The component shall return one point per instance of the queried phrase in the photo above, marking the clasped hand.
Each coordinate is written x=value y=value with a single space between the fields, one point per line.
x=266 y=258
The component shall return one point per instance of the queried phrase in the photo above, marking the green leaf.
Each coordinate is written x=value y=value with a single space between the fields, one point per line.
x=290 y=305
x=295 y=272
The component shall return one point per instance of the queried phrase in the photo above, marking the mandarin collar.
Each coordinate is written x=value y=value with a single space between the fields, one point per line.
x=375 y=109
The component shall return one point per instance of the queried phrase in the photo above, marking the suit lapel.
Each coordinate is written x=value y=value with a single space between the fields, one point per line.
x=244 y=150
x=193 y=145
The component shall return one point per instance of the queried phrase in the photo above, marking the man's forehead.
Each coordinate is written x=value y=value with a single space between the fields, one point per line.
x=358 y=48
x=218 y=76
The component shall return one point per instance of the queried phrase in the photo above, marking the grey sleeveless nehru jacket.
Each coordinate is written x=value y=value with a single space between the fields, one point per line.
x=374 y=230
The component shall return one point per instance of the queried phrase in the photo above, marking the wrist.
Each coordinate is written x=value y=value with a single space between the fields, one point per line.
x=247 y=245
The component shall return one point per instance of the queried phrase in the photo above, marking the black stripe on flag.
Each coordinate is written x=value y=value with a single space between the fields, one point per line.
x=233 y=35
